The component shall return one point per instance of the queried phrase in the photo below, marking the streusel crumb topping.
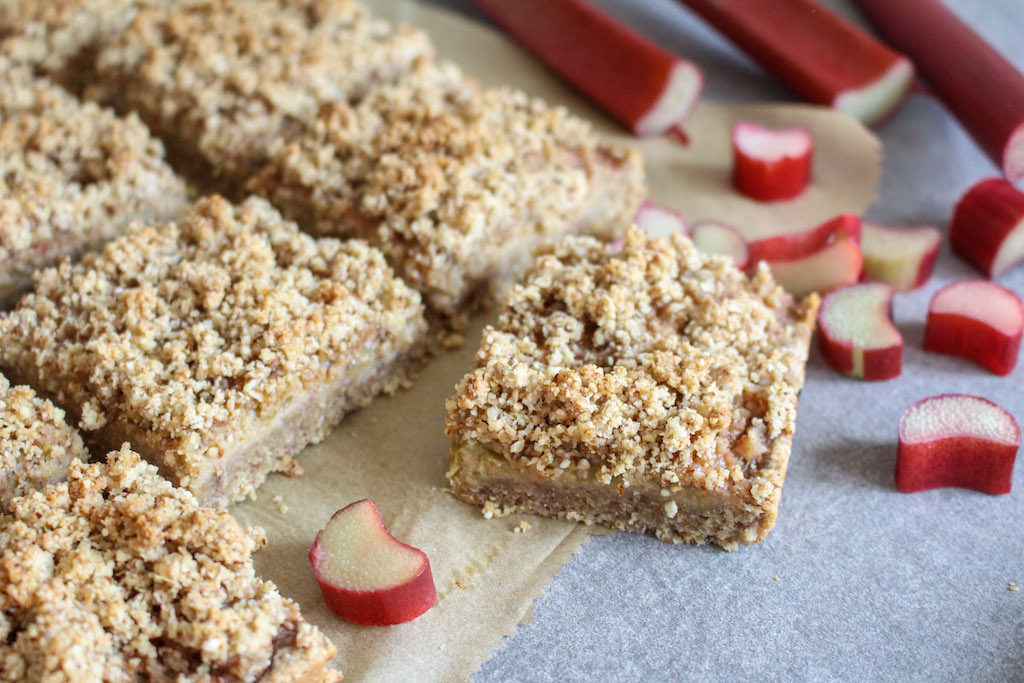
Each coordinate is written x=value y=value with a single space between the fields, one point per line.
x=185 y=327
x=224 y=77
x=655 y=363
x=117 y=575
x=36 y=443
x=74 y=173
x=448 y=178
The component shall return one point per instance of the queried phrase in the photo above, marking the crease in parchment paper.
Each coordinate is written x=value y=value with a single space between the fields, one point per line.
x=395 y=451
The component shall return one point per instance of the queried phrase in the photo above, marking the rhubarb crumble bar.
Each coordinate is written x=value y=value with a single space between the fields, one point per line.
x=653 y=390
x=454 y=182
x=36 y=443
x=219 y=79
x=117 y=575
x=75 y=175
x=218 y=346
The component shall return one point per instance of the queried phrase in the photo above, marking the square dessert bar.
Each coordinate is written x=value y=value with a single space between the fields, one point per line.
x=653 y=390
x=75 y=175
x=218 y=346
x=218 y=80
x=117 y=575
x=36 y=443
x=455 y=183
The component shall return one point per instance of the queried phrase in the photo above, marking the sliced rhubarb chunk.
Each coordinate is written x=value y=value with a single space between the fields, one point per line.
x=366 y=575
x=900 y=256
x=988 y=226
x=856 y=334
x=956 y=440
x=712 y=237
x=977 y=320
x=771 y=164
x=798 y=244
x=831 y=266
x=659 y=221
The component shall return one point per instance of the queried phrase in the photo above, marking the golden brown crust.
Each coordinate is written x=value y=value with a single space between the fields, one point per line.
x=219 y=79
x=74 y=176
x=454 y=182
x=36 y=443
x=193 y=333
x=117 y=575
x=657 y=367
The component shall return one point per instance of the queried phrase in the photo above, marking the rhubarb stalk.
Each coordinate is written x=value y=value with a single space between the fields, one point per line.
x=771 y=164
x=646 y=88
x=978 y=85
x=988 y=226
x=815 y=53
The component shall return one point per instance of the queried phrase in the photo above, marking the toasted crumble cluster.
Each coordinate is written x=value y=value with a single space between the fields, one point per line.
x=36 y=443
x=656 y=364
x=220 y=79
x=184 y=329
x=117 y=575
x=456 y=183
x=75 y=175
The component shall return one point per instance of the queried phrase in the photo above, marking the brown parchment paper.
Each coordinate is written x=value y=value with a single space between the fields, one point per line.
x=395 y=451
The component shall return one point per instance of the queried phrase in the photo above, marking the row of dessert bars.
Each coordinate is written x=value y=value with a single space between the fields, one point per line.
x=351 y=126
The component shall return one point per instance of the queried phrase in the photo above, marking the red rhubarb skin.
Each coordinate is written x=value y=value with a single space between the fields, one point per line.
x=385 y=607
x=979 y=86
x=792 y=246
x=620 y=70
x=769 y=181
x=879 y=364
x=808 y=48
x=982 y=219
x=970 y=338
x=958 y=461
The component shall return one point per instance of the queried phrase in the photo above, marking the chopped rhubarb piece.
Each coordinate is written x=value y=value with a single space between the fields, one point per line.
x=988 y=226
x=366 y=575
x=771 y=164
x=977 y=320
x=659 y=221
x=712 y=237
x=902 y=257
x=979 y=86
x=815 y=53
x=798 y=244
x=856 y=334
x=832 y=266
x=956 y=440
x=646 y=88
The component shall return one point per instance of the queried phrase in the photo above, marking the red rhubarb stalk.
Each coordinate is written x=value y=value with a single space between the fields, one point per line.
x=771 y=164
x=815 y=53
x=977 y=320
x=646 y=88
x=988 y=226
x=978 y=85
x=794 y=245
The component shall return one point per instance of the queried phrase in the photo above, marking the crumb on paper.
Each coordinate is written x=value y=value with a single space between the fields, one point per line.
x=451 y=341
x=281 y=507
x=775 y=578
x=1012 y=587
x=522 y=528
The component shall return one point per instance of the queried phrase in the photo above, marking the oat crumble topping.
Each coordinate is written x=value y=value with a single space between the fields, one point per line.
x=74 y=176
x=659 y=364
x=454 y=182
x=117 y=575
x=219 y=79
x=190 y=330
x=36 y=443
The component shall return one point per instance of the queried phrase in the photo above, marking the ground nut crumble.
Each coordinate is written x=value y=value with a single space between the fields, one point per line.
x=36 y=443
x=659 y=371
x=188 y=337
x=456 y=183
x=75 y=175
x=118 y=575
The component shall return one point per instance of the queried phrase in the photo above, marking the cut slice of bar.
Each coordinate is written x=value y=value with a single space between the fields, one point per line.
x=219 y=346
x=74 y=176
x=653 y=390
x=36 y=443
x=455 y=183
x=219 y=80
x=117 y=575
